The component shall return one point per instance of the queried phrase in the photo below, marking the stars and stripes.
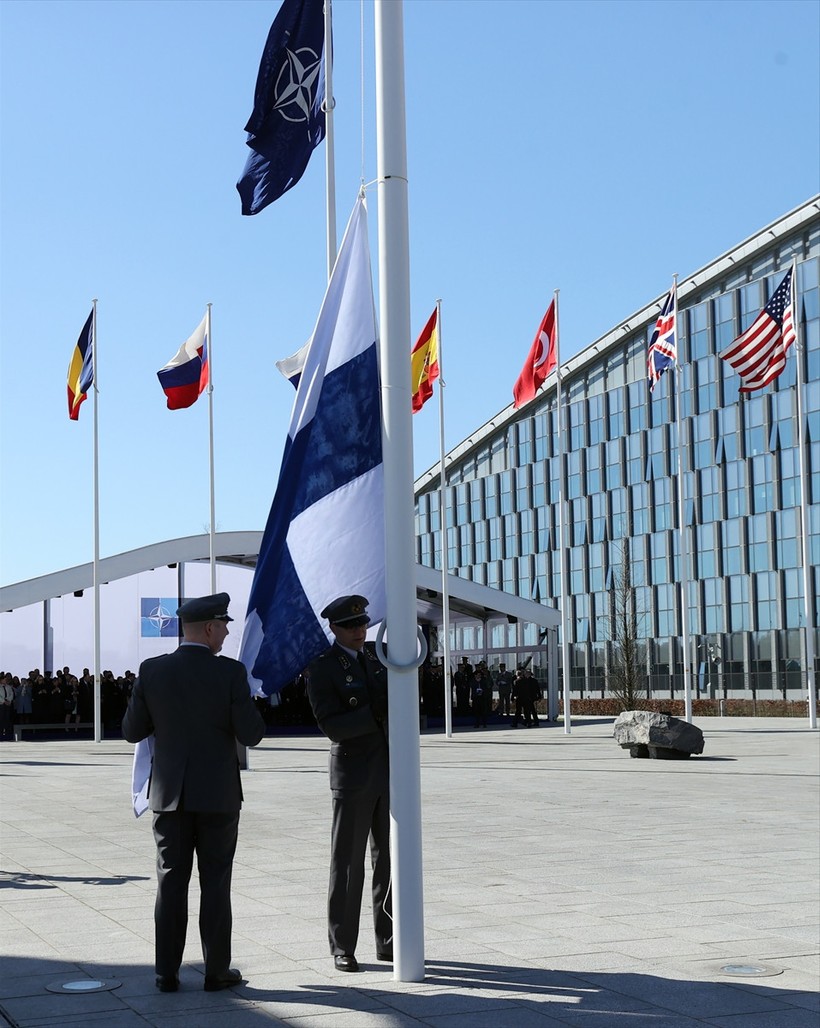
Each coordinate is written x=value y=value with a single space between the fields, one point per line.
x=759 y=354
x=663 y=351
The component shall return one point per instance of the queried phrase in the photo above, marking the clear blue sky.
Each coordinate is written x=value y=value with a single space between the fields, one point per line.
x=593 y=147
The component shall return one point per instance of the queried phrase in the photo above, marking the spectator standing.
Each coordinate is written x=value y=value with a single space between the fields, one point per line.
x=22 y=701
x=481 y=690
x=6 y=706
x=504 y=683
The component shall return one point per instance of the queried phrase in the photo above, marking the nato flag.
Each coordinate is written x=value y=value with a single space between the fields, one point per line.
x=287 y=122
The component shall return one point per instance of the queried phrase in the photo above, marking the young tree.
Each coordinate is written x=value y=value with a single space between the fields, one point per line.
x=627 y=669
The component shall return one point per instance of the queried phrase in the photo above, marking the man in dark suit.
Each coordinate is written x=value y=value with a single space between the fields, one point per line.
x=347 y=687
x=197 y=706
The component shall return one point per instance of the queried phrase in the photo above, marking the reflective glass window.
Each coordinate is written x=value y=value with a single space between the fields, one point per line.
x=793 y=598
x=698 y=331
x=596 y=419
x=637 y=405
x=786 y=533
x=732 y=547
x=724 y=319
x=617 y=421
x=758 y=551
x=739 y=620
x=766 y=599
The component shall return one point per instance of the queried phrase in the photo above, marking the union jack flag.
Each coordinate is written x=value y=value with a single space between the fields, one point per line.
x=662 y=347
x=759 y=354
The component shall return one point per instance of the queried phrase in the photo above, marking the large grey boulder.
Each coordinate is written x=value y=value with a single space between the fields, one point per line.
x=647 y=734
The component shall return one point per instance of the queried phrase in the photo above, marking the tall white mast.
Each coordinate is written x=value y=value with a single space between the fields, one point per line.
x=330 y=161
x=211 y=534
x=445 y=556
x=563 y=548
x=804 y=510
x=394 y=312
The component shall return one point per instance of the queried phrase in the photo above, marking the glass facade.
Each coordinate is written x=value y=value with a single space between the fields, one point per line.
x=742 y=537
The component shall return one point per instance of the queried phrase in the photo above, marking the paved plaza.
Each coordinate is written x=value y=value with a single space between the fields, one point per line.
x=564 y=884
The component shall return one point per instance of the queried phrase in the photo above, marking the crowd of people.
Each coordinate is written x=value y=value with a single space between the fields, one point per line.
x=476 y=692
x=63 y=698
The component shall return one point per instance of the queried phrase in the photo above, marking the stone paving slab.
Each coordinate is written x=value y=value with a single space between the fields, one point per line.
x=565 y=884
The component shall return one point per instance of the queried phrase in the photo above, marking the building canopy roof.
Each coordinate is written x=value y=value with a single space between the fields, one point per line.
x=468 y=600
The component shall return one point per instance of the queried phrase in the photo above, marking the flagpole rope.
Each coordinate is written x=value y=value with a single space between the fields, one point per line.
x=361 y=84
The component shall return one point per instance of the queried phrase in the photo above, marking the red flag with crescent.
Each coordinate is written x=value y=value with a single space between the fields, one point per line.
x=541 y=360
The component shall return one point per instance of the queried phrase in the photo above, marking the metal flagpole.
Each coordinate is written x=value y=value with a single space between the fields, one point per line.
x=330 y=161
x=445 y=557
x=562 y=531
x=96 y=576
x=394 y=303
x=682 y=547
x=804 y=511
x=210 y=354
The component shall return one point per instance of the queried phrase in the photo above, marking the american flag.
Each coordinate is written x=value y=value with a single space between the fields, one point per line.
x=759 y=354
x=662 y=349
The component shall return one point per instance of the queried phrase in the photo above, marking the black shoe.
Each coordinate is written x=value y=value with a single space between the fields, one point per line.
x=386 y=955
x=345 y=962
x=223 y=981
x=167 y=982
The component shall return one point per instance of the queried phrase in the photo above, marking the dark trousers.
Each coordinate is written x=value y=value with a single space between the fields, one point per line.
x=357 y=816
x=179 y=834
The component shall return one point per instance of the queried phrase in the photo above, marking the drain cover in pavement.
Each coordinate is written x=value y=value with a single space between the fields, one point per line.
x=84 y=985
x=750 y=970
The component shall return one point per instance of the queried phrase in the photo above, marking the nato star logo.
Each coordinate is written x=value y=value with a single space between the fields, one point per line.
x=158 y=618
x=295 y=89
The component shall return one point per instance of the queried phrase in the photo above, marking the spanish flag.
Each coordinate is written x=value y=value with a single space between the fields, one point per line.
x=424 y=363
x=81 y=368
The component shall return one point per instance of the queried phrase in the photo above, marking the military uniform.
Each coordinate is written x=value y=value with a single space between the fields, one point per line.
x=348 y=693
x=197 y=705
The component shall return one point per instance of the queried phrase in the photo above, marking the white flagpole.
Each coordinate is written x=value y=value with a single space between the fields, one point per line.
x=96 y=564
x=562 y=542
x=682 y=547
x=330 y=160
x=804 y=512
x=394 y=302
x=211 y=534
x=445 y=557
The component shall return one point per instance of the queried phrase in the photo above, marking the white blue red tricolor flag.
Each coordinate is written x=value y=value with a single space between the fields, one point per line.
x=663 y=351
x=185 y=375
x=758 y=355
x=325 y=532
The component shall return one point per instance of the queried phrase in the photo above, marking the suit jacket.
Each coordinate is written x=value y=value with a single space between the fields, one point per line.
x=197 y=705
x=343 y=698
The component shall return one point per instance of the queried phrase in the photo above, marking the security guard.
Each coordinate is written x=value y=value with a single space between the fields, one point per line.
x=197 y=706
x=347 y=687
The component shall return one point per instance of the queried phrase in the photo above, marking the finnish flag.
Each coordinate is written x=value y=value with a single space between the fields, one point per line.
x=325 y=532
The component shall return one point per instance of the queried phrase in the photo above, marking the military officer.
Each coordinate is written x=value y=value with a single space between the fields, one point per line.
x=347 y=687
x=197 y=706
